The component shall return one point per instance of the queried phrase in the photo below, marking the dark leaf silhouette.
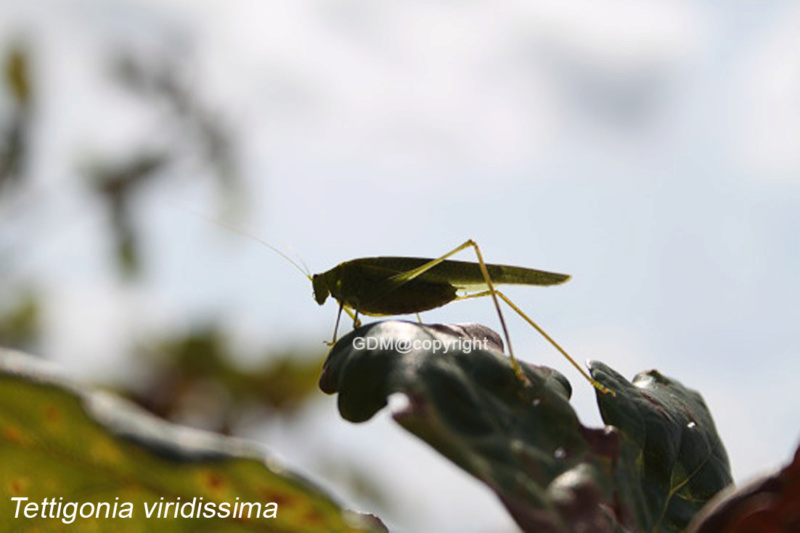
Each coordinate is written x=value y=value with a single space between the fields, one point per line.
x=655 y=465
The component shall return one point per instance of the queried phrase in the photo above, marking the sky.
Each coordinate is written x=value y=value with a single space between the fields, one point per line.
x=650 y=149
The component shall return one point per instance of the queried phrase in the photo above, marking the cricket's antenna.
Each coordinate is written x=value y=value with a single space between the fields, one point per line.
x=306 y=270
x=303 y=269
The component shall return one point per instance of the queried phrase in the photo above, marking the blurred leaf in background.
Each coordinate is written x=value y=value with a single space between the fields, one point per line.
x=19 y=307
x=20 y=321
x=60 y=440
x=188 y=377
x=190 y=132
x=117 y=183
x=192 y=379
x=15 y=127
x=200 y=130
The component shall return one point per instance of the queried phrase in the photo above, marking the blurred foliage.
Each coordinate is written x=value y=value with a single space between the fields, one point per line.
x=18 y=75
x=14 y=128
x=193 y=380
x=192 y=131
x=652 y=468
x=59 y=440
x=117 y=184
x=20 y=320
x=162 y=80
x=195 y=132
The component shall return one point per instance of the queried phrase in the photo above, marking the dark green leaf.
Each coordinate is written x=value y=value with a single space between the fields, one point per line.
x=651 y=473
x=680 y=462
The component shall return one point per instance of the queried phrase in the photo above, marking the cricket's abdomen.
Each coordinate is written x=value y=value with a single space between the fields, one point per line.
x=367 y=290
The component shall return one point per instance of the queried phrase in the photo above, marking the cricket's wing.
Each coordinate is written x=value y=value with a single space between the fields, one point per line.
x=464 y=275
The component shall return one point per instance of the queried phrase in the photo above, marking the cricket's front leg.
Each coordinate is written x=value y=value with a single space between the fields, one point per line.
x=354 y=316
x=336 y=327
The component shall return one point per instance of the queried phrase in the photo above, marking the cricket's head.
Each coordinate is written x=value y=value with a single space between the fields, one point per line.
x=321 y=289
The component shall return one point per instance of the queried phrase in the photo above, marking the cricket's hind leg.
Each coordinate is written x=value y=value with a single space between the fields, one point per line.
x=543 y=333
x=405 y=277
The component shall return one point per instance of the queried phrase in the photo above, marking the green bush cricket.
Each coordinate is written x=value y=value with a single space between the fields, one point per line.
x=388 y=286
